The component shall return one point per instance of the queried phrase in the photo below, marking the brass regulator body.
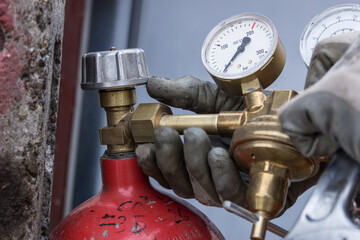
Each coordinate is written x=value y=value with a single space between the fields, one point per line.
x=260 y=148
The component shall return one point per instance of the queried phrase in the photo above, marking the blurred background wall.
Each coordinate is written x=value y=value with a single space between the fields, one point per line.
x=171 y=33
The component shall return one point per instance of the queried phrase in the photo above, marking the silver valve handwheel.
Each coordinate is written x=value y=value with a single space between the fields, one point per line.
x=114 y=69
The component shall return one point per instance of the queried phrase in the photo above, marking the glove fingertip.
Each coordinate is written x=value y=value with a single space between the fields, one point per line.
x=226 y=176
x=217 y=153
x=155 y=86
x=145 y=154
x=196 y=139
x=170 y=160
x=166 y=135
x=195 y=131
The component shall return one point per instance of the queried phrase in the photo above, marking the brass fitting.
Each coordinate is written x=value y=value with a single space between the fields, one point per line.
x=146 y=119
x=253 y=95
x=267 y=195
x=149 y=116
x=119 y=105
x=268 y=155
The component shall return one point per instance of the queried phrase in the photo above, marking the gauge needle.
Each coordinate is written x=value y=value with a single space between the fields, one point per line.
x=239 y=50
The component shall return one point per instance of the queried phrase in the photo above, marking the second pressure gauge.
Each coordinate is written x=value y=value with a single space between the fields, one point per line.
x=331 y=22
x=242 y=48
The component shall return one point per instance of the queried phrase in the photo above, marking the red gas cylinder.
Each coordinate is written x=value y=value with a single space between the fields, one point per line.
x=127 y=207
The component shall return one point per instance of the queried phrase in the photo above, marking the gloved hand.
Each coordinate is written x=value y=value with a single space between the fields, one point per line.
x=326 y=116
x=201 y=167
x=195 y=168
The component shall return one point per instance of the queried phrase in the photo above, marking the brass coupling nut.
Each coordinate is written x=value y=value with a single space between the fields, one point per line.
x=146 y=119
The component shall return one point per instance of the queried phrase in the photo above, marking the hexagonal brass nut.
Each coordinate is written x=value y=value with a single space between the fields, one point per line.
x=279 y=98
x=146 y=119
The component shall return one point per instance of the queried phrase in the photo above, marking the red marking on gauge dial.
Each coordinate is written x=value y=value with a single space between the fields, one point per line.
x=253 y=25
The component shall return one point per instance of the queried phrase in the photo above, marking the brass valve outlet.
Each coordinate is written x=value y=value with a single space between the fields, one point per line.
x=118 y=105
x=149 y=116
x=146 y=119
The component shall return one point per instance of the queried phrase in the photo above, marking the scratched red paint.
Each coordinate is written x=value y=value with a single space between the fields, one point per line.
x=130 y=209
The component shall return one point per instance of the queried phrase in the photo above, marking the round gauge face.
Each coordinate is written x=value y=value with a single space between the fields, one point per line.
x=332 y=22
x=239 y=46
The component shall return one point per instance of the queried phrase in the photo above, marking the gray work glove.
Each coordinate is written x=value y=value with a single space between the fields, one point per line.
x=200 y=167
x=326 y=116
x=195 y=168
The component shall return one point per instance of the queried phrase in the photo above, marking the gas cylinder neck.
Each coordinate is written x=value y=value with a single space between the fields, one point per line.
x=122 y=173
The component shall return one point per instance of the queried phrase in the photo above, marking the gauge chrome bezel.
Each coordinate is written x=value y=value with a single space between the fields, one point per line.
x=318 y=19
x=231 y=21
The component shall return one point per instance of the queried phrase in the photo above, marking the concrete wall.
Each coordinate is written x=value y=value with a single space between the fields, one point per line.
x=30 y=52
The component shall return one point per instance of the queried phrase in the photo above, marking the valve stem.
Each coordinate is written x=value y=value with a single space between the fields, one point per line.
x=253 y=218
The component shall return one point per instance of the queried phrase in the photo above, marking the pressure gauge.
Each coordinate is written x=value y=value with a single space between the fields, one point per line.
x=242 y=48
x=332 y=22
